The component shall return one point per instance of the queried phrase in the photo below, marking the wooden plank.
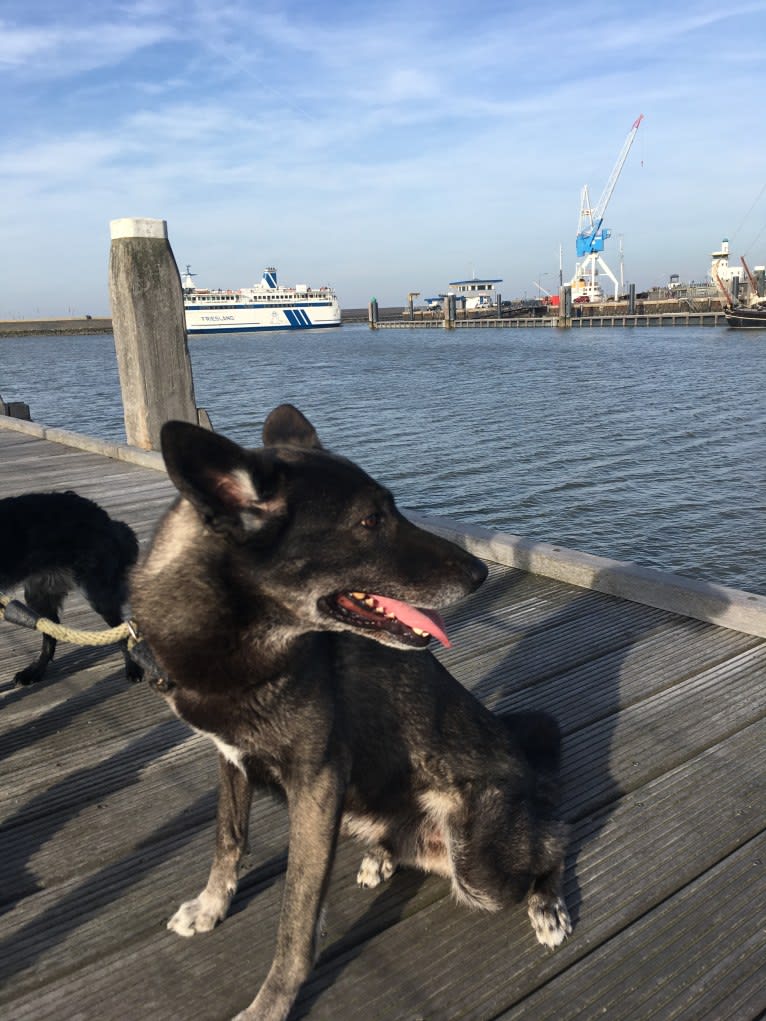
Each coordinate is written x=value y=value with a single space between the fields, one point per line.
x=661 y=966
x=447 y=963
x=609 y=755
x=175 y=780
x=108 y=809
x=441 y=961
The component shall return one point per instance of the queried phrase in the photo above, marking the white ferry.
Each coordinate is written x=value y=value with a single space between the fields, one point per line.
x=266 y=306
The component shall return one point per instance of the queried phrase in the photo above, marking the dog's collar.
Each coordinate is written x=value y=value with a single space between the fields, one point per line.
x=141 y=653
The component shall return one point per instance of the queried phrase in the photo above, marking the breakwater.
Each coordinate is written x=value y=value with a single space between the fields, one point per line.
x=72 y=326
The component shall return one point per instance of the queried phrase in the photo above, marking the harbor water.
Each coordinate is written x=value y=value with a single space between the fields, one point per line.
x=646 y=445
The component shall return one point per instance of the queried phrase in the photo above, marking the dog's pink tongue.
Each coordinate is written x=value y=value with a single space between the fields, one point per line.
x=424 y=620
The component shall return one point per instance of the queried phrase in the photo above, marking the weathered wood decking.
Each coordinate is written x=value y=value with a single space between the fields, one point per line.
x=107 y=809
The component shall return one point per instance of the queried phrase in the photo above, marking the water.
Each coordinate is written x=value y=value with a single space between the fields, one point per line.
x=646 y=445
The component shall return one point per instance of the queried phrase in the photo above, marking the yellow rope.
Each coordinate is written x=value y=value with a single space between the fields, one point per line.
x=68 y=634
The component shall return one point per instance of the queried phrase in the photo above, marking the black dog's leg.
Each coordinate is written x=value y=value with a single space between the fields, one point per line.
x=44 y=594
x=314 y=824
x=108 y=603
x=204 y=912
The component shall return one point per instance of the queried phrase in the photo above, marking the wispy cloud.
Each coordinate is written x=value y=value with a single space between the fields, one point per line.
x=73 y=49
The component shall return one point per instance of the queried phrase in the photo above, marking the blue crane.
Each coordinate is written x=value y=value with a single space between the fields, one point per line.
x=591 y=233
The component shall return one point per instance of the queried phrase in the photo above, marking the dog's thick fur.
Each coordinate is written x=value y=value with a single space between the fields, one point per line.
x=252 y=598
x=53 y=543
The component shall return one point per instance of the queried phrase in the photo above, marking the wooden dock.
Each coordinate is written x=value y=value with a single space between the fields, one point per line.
x=108 y=807
x=584 y=322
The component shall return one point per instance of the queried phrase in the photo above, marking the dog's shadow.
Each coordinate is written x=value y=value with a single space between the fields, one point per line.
x=71 y=705
x=390 y=906
x=571 y=664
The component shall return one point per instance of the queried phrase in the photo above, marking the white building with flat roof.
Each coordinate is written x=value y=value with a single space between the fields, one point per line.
x=477 y=293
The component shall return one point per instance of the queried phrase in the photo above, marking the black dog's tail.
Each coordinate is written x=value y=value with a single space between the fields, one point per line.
x=538 y=736
x=126 y=541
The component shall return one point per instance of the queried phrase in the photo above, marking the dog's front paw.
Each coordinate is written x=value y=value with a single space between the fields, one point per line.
x=550 y=919
x=199 y=915
x=375 y=869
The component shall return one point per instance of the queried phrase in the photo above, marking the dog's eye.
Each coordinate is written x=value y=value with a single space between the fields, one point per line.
x=372 y=520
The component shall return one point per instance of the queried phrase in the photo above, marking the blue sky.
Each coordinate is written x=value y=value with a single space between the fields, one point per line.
x=376 y=148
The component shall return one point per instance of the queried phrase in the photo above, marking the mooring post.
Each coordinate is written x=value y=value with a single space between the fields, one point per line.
x=373 y=313
x=149 y=330
x=450 y=312
x=15 y=409
x=565 y=306
x=632 y=300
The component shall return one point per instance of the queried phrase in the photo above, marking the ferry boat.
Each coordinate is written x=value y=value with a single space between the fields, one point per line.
x=266 y=306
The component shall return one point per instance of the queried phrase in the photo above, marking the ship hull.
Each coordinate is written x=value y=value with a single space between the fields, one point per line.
x=746 y=318
x=256 y=317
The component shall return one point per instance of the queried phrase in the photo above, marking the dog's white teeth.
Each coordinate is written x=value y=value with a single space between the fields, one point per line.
x=421 y=634
x=361 y=596
x=391 y=616
x=369 y=601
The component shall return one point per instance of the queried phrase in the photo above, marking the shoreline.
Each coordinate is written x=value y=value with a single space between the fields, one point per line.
x=67 y=326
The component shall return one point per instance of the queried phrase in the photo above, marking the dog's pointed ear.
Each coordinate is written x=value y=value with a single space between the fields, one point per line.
x=286 y=426
x=232 y=489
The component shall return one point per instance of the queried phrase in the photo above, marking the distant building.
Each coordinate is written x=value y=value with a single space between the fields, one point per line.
x=476 y=293
x=726 y=272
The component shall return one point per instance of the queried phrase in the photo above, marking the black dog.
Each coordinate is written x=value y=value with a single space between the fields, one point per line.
x=56 y=542
x=258 y=599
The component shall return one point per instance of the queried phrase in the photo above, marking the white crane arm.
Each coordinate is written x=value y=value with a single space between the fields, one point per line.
x=598 y=213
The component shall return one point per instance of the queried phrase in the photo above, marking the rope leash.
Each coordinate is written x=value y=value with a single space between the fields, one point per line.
x=16 y=612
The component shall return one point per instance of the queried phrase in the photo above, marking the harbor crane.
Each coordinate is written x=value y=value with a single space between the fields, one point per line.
x=591 y=232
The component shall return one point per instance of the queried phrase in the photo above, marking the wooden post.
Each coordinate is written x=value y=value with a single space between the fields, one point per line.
x=15 y=409
x=373 y=313
x=565 y=306
x=149 y=330
x=450 y=312
x=632 y=300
